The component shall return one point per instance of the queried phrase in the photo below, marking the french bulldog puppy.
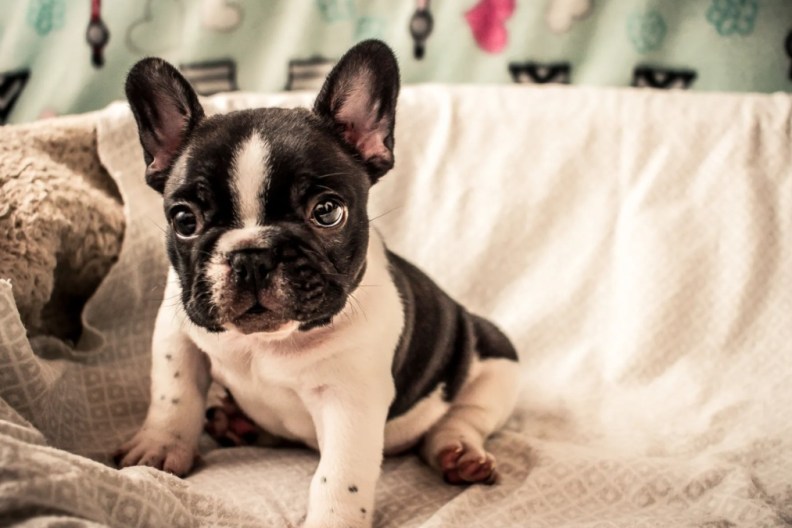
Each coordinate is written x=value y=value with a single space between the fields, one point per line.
x=290 y=299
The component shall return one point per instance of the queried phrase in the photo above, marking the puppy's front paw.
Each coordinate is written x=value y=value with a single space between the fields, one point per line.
x=158 y=449
x=337 y=522
x=339 y=516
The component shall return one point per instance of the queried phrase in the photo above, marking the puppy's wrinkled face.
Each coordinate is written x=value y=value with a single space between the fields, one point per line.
x=269 y=224
x=267 y=207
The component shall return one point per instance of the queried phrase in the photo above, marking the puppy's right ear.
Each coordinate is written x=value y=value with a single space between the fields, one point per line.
x=166 y=109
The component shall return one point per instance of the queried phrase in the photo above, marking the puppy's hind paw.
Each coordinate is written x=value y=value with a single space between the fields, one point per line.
x=462 y=464
x=158 y=449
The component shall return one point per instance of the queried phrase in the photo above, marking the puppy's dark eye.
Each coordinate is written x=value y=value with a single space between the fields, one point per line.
x=185 y=221
x=328 y=213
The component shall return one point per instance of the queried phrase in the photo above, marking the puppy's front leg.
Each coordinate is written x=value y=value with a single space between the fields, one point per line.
x=351 y=429
x=168 y=439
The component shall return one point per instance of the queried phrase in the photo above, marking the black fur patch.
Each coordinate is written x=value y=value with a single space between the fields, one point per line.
x=439 y=340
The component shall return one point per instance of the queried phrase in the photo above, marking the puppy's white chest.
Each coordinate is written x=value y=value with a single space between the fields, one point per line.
x=261 y=390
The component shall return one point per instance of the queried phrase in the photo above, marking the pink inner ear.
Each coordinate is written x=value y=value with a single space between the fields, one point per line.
x=159 y=163
x=370 y=143
x=165 y=153
x=362 y=129
x=166 y=140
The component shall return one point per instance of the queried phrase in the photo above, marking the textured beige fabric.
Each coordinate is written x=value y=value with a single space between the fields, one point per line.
x=637 y=246
x=61 y=222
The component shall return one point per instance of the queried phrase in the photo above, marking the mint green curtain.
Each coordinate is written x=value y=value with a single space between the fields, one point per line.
x=48 y=67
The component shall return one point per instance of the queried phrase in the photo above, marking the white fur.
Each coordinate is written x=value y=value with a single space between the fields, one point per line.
x=236 y=239
x=250 y=177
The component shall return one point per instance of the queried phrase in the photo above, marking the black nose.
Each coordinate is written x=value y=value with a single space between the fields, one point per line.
x=251 y=267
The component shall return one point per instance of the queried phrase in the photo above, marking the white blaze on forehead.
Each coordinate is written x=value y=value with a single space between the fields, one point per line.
x=250 y=177
x=248 y=237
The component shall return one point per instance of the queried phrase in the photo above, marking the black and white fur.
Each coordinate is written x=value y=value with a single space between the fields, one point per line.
x=319 y=332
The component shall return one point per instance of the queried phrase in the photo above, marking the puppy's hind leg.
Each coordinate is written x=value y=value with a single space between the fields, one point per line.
x=455 y=444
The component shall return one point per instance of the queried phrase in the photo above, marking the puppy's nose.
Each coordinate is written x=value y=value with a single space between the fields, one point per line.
x=251 y=267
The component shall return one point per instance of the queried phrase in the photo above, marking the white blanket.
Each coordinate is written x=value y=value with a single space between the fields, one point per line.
x=636 y=246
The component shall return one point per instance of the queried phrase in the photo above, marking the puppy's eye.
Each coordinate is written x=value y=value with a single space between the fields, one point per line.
x=185 y=221
x=328 y=213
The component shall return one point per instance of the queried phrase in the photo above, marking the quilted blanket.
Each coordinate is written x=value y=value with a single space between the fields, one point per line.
x=636 y=246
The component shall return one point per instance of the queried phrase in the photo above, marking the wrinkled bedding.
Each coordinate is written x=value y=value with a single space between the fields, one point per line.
x=636 y=246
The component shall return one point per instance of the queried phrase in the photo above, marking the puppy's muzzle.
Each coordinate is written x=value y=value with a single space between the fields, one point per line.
x=252 y=268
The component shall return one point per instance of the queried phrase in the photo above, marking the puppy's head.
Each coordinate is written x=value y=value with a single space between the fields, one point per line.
x=268 y=229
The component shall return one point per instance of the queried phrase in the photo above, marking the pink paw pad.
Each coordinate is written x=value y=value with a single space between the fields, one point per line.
x=461 y=465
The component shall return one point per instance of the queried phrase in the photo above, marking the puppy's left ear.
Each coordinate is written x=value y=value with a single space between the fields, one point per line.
x=359 y=100
x=166 y=110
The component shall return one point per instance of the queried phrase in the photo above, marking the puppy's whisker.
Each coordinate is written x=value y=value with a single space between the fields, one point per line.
x=173 y=303
x=165 y=297
x=360 y=306
x=155 y=224
x=389 y=211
